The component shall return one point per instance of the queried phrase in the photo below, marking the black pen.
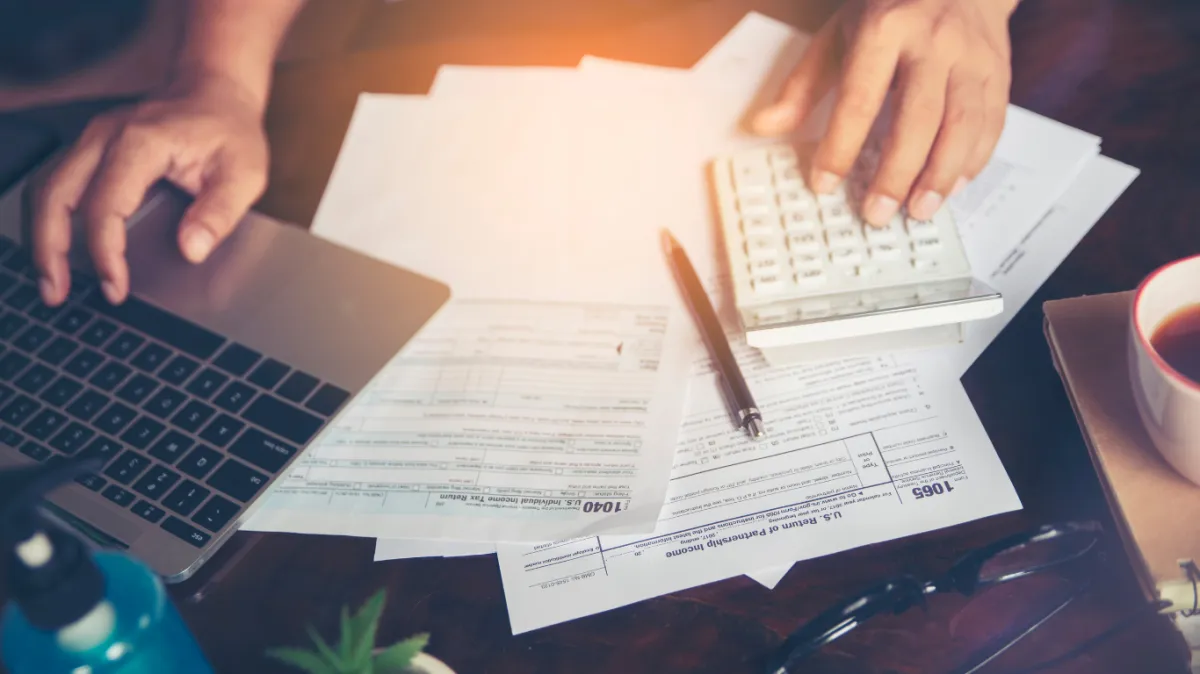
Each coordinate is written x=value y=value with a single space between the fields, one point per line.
x=713 y=334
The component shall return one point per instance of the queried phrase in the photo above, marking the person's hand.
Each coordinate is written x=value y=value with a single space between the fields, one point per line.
x=950 y=61
x=205 y=136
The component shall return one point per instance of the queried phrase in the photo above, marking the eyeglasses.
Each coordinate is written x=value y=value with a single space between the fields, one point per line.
x=1003 y=561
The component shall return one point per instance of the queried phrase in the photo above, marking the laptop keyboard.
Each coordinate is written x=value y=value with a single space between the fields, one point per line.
x=190 y=426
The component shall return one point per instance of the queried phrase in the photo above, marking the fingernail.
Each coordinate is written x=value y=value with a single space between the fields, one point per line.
x=775 y=119
x=46 y=288
x=197 y=243
x=926 y=205
x=824 y=182
x=879 y=209
x=110 y=292
x=958 y=185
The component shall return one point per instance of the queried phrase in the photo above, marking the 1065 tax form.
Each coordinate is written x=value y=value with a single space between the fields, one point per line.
x=858 y=451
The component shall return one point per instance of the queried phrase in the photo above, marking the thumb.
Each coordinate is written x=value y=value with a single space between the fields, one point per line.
x=223 y=200
x=812 y=77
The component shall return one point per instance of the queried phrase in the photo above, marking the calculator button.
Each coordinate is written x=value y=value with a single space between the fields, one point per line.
x=761 y=247
x=866 y=271
x=811 y=278
x=752 y=205
x=879 y=235
x=925 y=264
x=804 y=244
x=795 y=200
x=834 y=197
x=789 y=179
x=845 y=256
x=770 y=315
x=767 y=283
x=760 y=225
x=803 y=262
x=842 y=237
x=922 y=228
x=926 y=245
x=768 y=265
x=836 y=215
x=885 y=253
x=799 y=222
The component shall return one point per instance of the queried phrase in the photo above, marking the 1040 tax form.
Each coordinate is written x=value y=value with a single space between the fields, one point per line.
x=858 y=451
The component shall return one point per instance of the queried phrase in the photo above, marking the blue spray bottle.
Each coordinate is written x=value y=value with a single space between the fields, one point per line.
x=74 y=610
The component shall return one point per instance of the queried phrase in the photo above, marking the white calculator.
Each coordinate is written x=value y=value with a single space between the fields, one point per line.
x=806 y=270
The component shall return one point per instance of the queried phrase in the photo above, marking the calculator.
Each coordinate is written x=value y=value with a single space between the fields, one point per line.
x=806 y=269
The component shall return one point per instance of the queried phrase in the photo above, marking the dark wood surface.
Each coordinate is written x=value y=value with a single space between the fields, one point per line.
x=1128 y=71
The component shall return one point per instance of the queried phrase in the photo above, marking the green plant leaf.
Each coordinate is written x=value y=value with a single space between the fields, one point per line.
x=399 y=656
x=347 y=639
x=365 y=627
x=300 y=659
x=324 y=650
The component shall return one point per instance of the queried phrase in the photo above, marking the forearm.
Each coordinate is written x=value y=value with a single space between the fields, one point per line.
x=235 y=41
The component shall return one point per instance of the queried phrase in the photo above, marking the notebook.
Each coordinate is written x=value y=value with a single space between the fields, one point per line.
x=1156 y=510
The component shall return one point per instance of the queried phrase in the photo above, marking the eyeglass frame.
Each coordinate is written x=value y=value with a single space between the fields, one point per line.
x=903 y=592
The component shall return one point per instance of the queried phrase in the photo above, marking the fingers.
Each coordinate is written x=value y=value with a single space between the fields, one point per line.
x=913 y=132
x=236 y=182
x=994 y=110
x=864 y=86
x=56 y=202
x=956 y=141
x=130 y=166
x=808 y=83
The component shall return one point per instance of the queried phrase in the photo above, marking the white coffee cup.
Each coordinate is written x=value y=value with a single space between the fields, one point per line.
x=1168 y=402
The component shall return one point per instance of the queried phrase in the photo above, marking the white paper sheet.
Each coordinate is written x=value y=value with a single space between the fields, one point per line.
x=503 y=420
x=854 y=447
x=403 y=548
x=1029 y=262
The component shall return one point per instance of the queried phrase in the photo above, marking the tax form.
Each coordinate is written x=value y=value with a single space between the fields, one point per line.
x=858 y=451
x=502 y=420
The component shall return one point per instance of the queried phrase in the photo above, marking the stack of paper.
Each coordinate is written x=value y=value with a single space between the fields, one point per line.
x=560 y=410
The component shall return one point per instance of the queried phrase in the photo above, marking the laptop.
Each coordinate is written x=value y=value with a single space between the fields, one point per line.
x=205 y=386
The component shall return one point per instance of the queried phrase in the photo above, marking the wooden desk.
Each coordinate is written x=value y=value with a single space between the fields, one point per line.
x=1120 y=69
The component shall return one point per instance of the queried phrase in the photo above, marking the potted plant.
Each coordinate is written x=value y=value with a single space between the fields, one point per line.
x=356 y=653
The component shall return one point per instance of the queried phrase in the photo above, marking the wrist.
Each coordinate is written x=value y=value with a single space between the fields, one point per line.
x=206 y=82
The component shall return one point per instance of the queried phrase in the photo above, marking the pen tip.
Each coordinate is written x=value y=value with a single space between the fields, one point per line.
x=755 y=427
x=669 y=243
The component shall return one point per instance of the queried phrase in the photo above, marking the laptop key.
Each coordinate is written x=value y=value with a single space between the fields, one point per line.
x=216 y=513
x=127 y=467
x=206 y=383
x=58 y=350
x=119 y=496
x=156 y=482
x=142 y=432
x=237 y=480
x=61 y=391
x=92 y=481
x=137 y=389
x=269 y=373
x=35 y=451
x=98 y=332
x=109 y=376
x=10 y=437
x=87 y=405
x=7 y=282
x=199 y=462
x=72 y=438
x=178 y=370
x=10 y=324
x=46 y=423
x=33 y=338
x=222 y=430
x=282 y=419
x=5 y=393
x=165 y=402
x=151 y=357
x=161 y=325
x=237 y=359
x=186 y=498
x=84 y=363
x=124 y=344
x=44 y=312
x=20 y=299
x=74 y=319
x=148 y=512
x=187 y=532
x=327 y=400
x=114 y=418
x=297 y=387
x=192 y=416
x=171 y=446
x=35 y=378
x=262 y=450
x=234 y=397
x=102 y=449
x=17 y=412
x=11 y=364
